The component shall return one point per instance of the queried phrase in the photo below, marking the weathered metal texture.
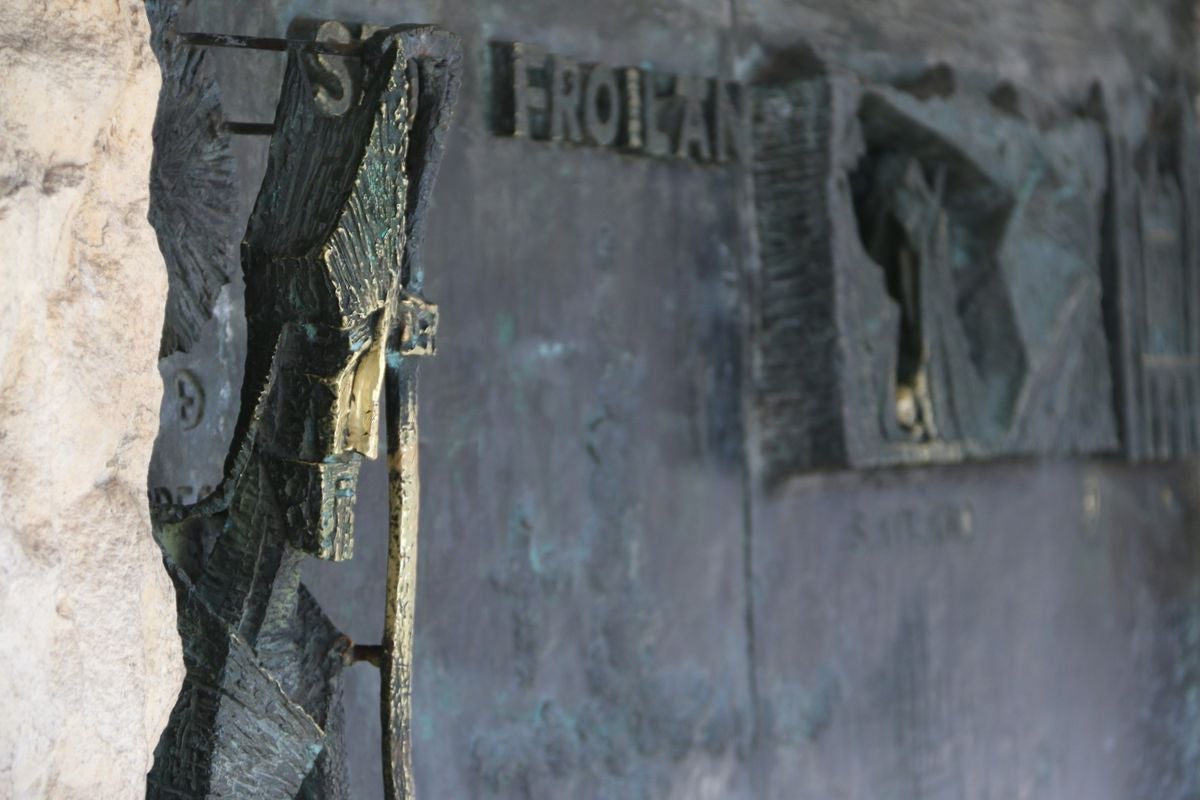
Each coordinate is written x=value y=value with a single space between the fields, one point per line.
x=193 y=203
x=551 y=97
x=1153 y=280
x=929 y=279
x=608 y=606
x=330 y=288
x=434 y=65
x=578 y=565
x=1015 y=630
x=237 y=729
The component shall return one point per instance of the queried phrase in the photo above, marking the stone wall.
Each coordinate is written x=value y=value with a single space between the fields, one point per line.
x=89 y=658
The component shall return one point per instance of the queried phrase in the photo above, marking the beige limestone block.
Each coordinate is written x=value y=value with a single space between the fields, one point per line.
x=90 y=661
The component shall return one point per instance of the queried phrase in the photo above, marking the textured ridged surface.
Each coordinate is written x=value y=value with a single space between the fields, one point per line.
x=606 y=608
x=193 y=200
x=323 y=255
x=999 y=343
x=1153 y=282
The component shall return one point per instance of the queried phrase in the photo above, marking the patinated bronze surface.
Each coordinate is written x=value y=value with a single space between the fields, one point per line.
x=930 y=275
x=1152 y=274
x=550 y=97
x=334 y=313
x=682 y=535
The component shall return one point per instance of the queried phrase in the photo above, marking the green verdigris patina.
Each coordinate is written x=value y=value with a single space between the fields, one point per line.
x=334 y=314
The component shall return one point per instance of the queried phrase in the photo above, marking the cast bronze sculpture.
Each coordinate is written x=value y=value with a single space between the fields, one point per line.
x=1152 y=280
x=929 y=283
x=335 y=316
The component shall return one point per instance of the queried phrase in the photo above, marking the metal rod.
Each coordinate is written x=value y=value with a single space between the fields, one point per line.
x=250 y=128
x=404 y=493
x=370 y=653
x=269 y=43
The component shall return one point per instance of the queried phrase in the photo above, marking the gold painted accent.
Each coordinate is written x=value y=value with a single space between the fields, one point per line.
x=360 y=424
x=906 y=407
x=404 y=497
x=914 y=407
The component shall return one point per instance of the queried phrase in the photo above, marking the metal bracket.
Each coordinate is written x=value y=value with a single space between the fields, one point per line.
x=416 y=326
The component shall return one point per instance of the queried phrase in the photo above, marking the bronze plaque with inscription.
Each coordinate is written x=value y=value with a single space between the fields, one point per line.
x=813 y=414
